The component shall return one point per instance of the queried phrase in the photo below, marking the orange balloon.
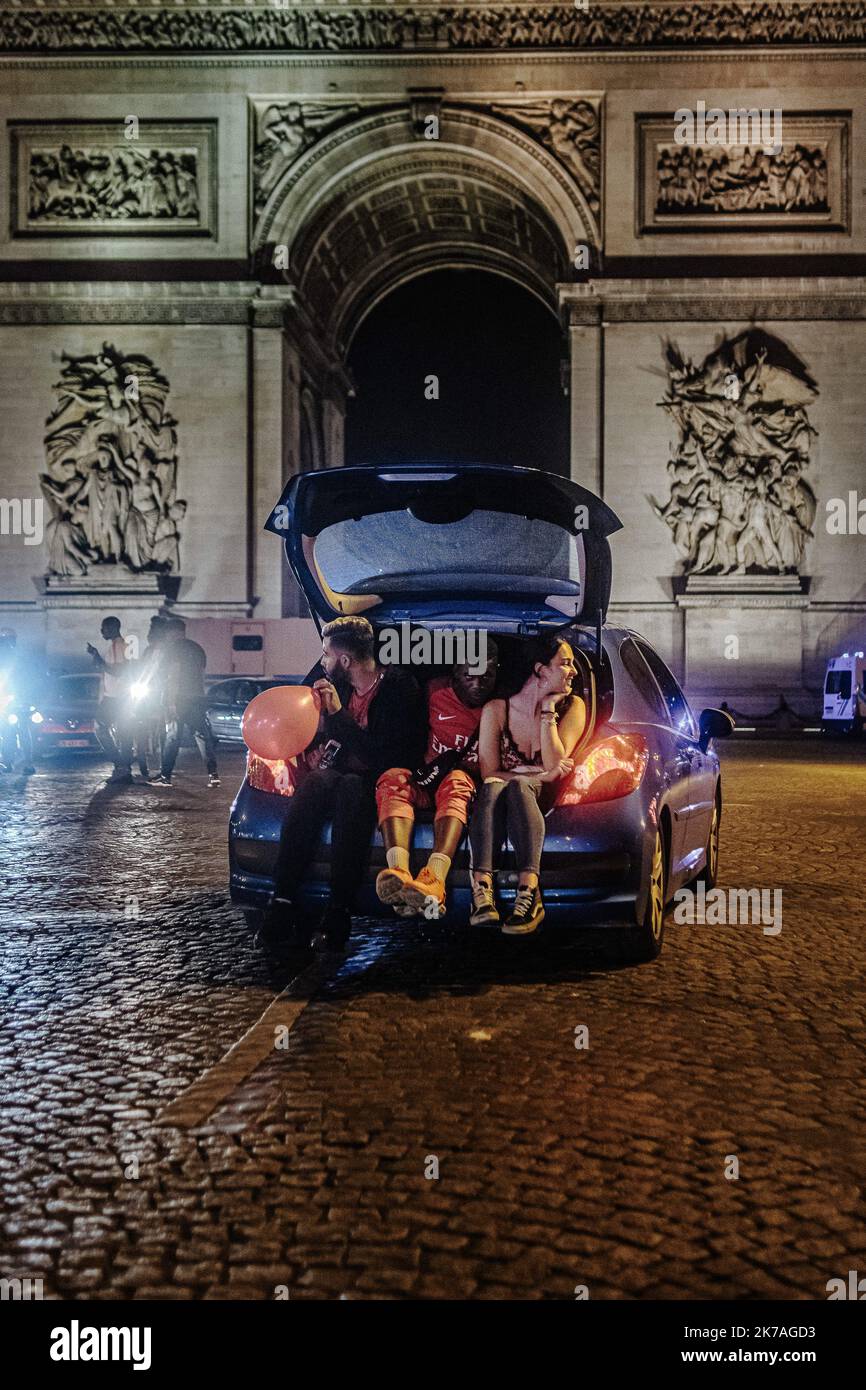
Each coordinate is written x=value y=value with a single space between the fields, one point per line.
x=281 y=722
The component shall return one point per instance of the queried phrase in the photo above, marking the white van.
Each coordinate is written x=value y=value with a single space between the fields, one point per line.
x=844 y=702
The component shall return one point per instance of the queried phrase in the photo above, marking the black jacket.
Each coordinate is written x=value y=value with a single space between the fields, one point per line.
x=396 y=732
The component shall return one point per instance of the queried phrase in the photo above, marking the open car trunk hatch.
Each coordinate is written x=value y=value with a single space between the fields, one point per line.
x=481 y=544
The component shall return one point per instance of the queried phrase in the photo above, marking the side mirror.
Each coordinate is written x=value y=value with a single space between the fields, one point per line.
x=714 y=723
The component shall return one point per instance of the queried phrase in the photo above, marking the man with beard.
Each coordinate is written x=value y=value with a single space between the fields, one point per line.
x=370 y=714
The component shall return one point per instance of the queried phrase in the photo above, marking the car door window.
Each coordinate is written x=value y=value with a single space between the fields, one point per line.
x=678 y=712
x=839 y=683
x=642 y=678
x=246 y=691
x=222 y=694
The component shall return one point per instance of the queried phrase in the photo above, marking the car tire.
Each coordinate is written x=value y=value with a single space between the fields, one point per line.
x=648 y=938
x=710 y=872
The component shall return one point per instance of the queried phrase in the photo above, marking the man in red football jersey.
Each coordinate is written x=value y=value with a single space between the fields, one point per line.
x=446 y=782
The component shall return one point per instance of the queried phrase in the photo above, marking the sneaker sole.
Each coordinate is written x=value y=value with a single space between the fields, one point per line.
x=524 y=930
x=492 y=920
x=389 y=889
x=416 y=899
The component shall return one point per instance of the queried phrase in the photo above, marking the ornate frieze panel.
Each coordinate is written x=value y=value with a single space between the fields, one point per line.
x=111 y=483
x=87 y=28
x=129 y=301
x=741 y=184
x=91 y=178
x=769 y=299
x=739 y=499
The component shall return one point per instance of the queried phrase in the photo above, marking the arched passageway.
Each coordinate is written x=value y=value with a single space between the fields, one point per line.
x=494 y=350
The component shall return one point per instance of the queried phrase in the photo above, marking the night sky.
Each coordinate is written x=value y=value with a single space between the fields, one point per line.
x=496 y=350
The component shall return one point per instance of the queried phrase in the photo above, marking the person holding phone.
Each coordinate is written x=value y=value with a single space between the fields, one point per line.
x=373 y=714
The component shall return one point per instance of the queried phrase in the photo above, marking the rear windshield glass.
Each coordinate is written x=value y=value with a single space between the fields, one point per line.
x=482 y=552
x=839 y=683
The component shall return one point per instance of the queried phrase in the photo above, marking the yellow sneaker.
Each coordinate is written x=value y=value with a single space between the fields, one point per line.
x=391 y=886
x=425 y=895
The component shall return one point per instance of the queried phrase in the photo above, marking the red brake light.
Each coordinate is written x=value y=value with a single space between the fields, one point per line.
x=271 y=775
x=612 y=768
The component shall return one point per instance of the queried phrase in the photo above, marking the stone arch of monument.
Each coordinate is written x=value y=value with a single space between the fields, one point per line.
x=371 y=205
x=311 y=450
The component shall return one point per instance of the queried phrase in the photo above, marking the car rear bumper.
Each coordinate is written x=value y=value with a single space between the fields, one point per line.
x=74 y=741
x=590 y=873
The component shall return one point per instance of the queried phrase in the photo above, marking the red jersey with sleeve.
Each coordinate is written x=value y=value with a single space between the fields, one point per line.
x=451 y=723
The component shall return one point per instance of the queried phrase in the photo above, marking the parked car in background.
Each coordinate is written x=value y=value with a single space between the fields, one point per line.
x=227 y=700
x=516 y=552
x=67 y=706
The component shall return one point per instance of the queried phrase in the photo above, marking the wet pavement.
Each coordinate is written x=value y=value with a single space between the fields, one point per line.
x=416 y=1120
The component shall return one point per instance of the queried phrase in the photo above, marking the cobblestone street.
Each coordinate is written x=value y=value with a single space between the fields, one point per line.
x=126 y=975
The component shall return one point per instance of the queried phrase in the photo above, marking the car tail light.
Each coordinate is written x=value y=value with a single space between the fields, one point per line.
x=271 y=775
x=612 y=768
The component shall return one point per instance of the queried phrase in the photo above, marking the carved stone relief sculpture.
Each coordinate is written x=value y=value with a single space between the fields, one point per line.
x=283 y=130
x=742 y=185
x=111 y=448
x=305 y=28
x=569 y=129
x=88 y=178
x=739 y=499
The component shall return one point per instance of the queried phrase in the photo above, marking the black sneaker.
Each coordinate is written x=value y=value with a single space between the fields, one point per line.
x=120 y=778
x=160 y=780
x=213 y=779
x=332 y=933
x=527 y=914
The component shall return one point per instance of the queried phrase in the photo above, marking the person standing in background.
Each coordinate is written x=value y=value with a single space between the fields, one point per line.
x=182 y=664
x=146 y=714
x=112 y=723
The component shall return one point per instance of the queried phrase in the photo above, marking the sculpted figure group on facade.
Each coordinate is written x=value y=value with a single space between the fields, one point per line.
x=571 y=130
x=739 y=500
x=81 y=184
x=740 y=179
x=110 y=487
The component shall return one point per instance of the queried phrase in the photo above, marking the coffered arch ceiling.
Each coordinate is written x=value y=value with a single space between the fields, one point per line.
x=372 y=205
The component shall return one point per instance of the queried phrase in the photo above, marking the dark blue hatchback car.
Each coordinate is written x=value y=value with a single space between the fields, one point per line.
x=514 y=551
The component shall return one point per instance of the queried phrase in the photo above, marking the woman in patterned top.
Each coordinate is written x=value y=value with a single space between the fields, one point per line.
x=524 y=743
